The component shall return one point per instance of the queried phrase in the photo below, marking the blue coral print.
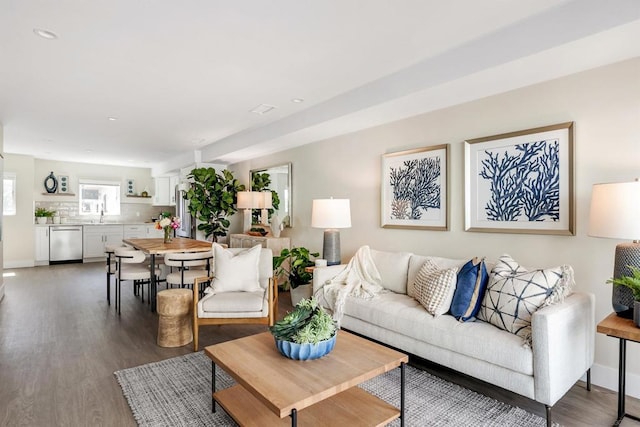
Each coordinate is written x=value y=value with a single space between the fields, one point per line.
x=416 y=188
x=524 y=182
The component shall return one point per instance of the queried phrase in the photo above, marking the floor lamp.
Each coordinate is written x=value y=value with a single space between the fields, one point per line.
x=615 y=214
x=331 y=214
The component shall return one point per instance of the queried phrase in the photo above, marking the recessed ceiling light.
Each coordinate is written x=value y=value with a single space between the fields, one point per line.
x=297 y=100
x=263 y=109
x=113 y=119
x=49 y=35
x=88 y=151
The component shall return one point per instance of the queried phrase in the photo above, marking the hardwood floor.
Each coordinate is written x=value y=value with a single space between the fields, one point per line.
x=60 y=344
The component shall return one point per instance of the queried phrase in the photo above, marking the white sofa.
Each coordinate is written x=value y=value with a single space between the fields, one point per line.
x=562 y=334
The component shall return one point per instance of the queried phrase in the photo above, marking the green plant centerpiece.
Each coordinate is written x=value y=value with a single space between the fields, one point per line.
x=44 y=213
x=295 y=270
x=306 y=333
x=212 y=198
x=632 y=282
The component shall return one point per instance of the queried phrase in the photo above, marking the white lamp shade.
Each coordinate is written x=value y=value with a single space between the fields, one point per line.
x=265 y=199
x=615 y=211
x=249 y=200
x=331 y=213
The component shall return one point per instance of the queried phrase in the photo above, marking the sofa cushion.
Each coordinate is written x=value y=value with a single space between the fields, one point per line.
x=470 y=289
x=434 y=288
x=393 y=267
x=514 y=294
x=417 y=261
x=404 y=315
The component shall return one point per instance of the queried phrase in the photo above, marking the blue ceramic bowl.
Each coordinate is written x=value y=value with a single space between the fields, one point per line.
x=306 y=351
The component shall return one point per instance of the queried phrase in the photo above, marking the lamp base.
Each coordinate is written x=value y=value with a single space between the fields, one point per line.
x=622 y=298
x=331 y=246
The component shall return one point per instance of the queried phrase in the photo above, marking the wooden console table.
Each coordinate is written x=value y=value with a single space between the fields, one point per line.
x=625 y=330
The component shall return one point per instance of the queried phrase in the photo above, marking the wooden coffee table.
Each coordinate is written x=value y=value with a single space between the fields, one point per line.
x=319 y=392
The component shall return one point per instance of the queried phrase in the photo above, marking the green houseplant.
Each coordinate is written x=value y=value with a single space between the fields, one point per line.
x=292 y=264
x=632 y=282
x=212 y=197
x=42 y=214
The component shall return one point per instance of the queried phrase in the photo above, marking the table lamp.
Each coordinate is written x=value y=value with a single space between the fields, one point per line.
x=615 y=214
x=331 y=214
x=266 y=203
x=248 y=200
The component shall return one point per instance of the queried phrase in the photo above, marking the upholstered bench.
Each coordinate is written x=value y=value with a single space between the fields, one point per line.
x=174 y=311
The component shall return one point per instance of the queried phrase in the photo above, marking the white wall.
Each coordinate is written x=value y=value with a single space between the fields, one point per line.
x=19 y=232
x=3 y=223
x=604 y=103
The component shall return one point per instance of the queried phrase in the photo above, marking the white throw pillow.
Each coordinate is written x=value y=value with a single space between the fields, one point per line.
x=515 y=293
x=235 y=272
x=434 y=288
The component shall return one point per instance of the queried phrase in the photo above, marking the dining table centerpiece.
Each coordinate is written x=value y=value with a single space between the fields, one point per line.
x=167 y=223
x=306 y=333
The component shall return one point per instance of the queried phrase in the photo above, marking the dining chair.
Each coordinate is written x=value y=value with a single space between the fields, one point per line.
x=231 y=298
x=190 y=266
x=131 y=265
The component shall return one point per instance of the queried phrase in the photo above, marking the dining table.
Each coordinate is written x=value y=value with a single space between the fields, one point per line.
x=158 y=246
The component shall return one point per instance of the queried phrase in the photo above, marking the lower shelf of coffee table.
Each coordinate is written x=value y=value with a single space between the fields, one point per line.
x=352 y=407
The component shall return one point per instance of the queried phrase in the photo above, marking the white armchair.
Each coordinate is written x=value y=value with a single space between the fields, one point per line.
x=241 y=291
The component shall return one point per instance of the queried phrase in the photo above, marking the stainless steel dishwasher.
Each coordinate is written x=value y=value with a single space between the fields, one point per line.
x=65 y=244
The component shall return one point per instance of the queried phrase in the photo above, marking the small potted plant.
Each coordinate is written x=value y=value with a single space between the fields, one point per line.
x=306 y=333
x=632 y=282
x=296 y=271
x=42 y=214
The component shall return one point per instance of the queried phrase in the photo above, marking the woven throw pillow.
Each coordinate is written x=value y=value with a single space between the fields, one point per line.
x=470 y=289
x=514 y=294
x=236 y=271
x=434 y=288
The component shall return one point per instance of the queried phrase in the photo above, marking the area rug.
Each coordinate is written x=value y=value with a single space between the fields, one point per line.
x=177 y=392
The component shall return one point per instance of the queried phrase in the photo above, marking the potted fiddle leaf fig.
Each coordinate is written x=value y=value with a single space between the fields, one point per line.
x=632 y=282
x=293 y=264
x=212 y=198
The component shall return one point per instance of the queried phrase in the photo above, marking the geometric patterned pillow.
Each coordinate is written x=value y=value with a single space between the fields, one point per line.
x=514 y=294
x=434 y=288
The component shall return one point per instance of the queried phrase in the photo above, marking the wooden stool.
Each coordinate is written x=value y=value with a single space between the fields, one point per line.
x=174 y=310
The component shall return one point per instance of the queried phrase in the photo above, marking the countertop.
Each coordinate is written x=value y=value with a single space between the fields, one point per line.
x=89 y=224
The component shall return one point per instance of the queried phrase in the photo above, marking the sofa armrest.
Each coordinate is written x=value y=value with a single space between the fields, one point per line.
x=563 y=338
x=320 y=276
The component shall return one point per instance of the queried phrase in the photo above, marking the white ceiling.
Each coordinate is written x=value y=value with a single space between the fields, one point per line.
x=182 y=77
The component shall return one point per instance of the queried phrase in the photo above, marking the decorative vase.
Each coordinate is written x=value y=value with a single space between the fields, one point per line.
x=276 y=225
x=51 y=183
x=167 y=234
x=306 y=351
x=41 y=219
x=636 y=313
x=301 y=292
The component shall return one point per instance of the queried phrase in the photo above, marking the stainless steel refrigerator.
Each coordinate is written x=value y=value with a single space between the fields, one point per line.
x=187 y=221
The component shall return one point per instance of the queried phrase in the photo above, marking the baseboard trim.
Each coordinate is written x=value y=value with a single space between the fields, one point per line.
x=607 y=377
x=24 y=263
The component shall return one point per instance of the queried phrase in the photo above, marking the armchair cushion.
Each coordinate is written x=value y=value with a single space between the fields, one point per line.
x=222 y=304
x=236 y=271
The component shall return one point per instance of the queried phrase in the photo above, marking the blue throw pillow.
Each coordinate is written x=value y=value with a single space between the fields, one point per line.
x=470 y=289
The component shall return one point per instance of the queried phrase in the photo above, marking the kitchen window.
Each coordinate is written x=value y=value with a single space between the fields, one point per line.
x=9 y=193
x=99 y=197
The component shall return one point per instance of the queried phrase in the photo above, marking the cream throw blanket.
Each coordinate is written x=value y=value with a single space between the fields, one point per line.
x=360 y=279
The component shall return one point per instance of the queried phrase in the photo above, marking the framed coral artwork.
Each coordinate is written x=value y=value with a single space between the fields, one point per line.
x=521 y=182
x=415 y=188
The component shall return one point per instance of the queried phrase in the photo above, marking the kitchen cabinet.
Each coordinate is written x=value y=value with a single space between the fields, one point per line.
x=42 y=245
x=276 y=244
x=165 y=194
x=142 y=231
x=96 y=237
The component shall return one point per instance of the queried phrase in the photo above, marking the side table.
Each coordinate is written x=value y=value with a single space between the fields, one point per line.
x=623 y=329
